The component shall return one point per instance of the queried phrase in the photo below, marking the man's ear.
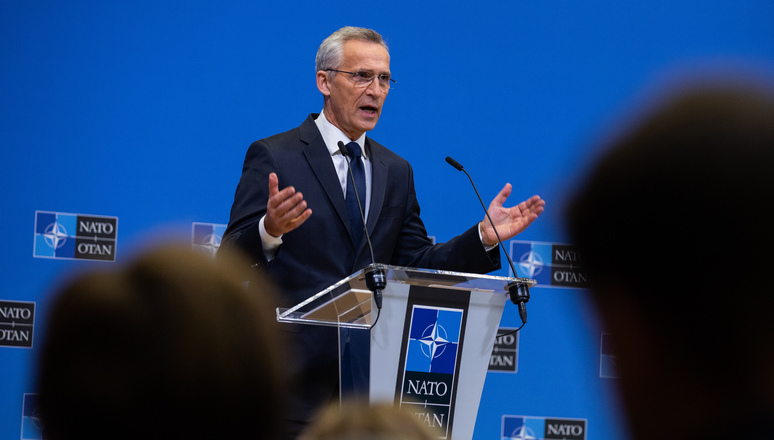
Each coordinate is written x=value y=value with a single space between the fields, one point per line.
x=323 y=83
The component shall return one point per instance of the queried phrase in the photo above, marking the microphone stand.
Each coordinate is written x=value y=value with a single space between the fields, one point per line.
x=376 y=279
x=517 y=291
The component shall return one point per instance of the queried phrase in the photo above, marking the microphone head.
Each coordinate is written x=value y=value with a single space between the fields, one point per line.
x=454 y=163
x=342 y=148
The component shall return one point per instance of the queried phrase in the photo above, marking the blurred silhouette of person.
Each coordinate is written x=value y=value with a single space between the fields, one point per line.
x=172 y=345
x=675 y=228
x=353 y=419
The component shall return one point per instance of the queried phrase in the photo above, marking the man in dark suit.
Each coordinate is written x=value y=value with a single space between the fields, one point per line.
x=290 y=211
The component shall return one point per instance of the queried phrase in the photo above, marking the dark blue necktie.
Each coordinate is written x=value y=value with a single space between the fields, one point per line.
x=353 y=210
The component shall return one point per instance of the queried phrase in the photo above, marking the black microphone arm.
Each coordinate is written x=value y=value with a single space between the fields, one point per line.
x=376 y=279
x=517 y=291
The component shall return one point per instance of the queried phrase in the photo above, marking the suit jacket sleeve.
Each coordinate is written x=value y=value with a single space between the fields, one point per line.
x=463 y=253
x=250 y=199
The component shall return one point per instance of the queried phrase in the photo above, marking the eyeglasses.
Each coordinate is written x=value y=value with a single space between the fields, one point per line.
x=364 y=78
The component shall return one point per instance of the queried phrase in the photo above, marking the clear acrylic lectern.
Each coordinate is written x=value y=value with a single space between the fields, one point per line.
x=427 y=349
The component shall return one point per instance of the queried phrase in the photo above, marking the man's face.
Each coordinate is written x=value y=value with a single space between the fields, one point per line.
x=355 y=110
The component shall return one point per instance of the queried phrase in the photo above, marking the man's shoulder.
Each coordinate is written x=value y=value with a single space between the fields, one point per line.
x=379 y=151
x=303 y=134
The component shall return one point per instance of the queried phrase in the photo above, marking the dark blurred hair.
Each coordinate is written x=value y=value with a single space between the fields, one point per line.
x=172 y=345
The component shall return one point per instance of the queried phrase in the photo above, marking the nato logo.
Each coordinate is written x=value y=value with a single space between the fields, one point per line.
x=31 y=426
x=432 y=351
x=433 y=340
x=542 y=428
x=551 y=265
x=505 y=353
x=75 y=236
x=522 y=428
x=206 y=236
x=17 y=320
x=608 y=362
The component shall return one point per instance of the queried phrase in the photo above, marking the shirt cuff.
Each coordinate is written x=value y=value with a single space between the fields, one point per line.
x=270 y=243
x=481 y=237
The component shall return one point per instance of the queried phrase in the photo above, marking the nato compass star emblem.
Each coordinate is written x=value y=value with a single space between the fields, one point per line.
x=523 y=433
x=207 y=237
x=55 y=235
x=531 y=264
x=434 y=340
x=32 y=427
x=211 y=243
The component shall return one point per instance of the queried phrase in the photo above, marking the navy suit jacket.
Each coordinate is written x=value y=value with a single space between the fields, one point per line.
x=321 y=251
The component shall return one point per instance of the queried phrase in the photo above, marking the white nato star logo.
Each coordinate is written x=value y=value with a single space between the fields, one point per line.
x=211 y=243
x=434 y=341
x=531 y=264
x=523 y=433
x=55 y=235
x=35 y=419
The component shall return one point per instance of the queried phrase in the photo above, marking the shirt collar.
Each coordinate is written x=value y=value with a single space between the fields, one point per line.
x=332 y=135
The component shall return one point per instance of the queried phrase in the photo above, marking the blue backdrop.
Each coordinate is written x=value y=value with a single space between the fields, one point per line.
x=143 y=111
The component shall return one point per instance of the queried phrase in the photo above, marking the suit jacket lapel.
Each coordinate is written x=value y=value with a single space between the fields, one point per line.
x=379 y=174
x=319 y=160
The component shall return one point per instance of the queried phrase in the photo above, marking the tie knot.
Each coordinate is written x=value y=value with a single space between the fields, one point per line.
x=353 y=149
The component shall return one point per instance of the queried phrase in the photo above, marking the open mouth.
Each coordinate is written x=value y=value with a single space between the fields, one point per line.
x=368 y=109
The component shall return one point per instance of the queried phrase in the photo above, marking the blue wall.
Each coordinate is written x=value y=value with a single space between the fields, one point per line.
x=143 y=110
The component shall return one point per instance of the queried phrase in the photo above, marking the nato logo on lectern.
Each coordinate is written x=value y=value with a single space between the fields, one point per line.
x=60 y=235
x=431 y=362
x=550 y=264
x=542 y=428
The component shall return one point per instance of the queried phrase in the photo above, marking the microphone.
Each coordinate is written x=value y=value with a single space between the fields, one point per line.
x=518 y=292
x=376 y=280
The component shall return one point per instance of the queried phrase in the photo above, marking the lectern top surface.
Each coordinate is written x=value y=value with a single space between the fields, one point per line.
x=348 y=302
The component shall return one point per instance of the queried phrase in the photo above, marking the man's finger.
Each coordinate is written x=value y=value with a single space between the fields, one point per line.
x=284 y=197
x=298 y=221
x=273 y=184
x=295 y=206
x=503 y=195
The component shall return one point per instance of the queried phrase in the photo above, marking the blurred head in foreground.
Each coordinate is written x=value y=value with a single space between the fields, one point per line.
x=170 y=345
x=357 y=420
x=674 y=225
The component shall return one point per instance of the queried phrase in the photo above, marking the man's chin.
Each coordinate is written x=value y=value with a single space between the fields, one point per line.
x=369 y=124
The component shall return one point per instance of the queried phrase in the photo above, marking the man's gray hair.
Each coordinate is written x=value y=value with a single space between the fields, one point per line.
x=329 y=55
